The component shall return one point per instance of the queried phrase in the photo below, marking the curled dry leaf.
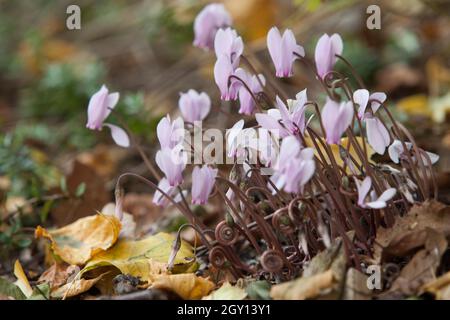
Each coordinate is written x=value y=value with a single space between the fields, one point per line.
x=74 y=288
x=408 y=232
x=58 y=274
x=227 y=292
x=187 y=285
x=144 y=258
x=323 y=278
x=77 y=242
x=422 y=267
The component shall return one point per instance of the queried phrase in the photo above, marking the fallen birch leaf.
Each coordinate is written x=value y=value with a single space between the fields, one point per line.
x=227 y=292
x=77 y=242
x=75 y=287
x=146 y=257
x=187 y=285
x=22 y=281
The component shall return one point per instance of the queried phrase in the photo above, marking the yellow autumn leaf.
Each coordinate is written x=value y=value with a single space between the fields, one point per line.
x=75 y=287
x=253 y=26
x=146 y=257
x=335 y=150
x=22 y=281
x=227 y=292
x=304 y=287
x=415 y=105
x=77 y=242
x=187 y=285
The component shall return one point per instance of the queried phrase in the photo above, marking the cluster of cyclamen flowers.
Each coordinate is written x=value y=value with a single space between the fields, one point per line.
x=295 y=162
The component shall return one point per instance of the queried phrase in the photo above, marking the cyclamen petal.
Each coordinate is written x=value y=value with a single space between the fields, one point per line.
x=160 y=200
x=375 y=203
x=283 y=50
x=336 y=118
x=294 y=167
x=247 y=103
x=228 y=43
x=362 y=98
x=194 y=106
x=203 y=179
x=396 y=150
x=172 y=163
x=119 y=135
x=325 y=54
x=223 y=70
x=377 y=135
x=170 y=133
x=213 y=17
x=100 y=106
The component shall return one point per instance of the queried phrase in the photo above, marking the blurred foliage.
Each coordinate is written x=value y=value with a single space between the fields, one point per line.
x=165 y=24
x=27 y=169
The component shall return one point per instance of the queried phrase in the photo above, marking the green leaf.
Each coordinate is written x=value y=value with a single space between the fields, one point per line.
x=45 y=210
x=41 y=292
x=9 y=289
x=81 y=189
x=63 y=185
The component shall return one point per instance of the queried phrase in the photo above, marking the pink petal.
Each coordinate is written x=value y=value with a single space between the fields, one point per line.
x=361 y=97
x=119 y=135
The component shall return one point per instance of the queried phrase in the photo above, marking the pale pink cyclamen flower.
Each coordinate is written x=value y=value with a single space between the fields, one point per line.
x=377 y=134
x=336 y=118
x=241 y=141
x=325 y=55
x=374 y=203
x=203 y=179
x=396 y=152
x=228 y=48
x=194 y=106
x=160 y=200
x=228 y=43
x=223 y=70
x=247 y=103
x=362 y=98
x=294 y=167
x=170 y=133
x=172 y=163
x=285 y=120
x=283 y=50
x=212 y=17
x=100 y=106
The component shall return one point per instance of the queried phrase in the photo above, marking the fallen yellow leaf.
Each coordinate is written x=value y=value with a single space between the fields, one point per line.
x=22 y=281
x=187 y=285
x=146 y=257
x=415 y=105
x=227 y=292
x=304 y=287
x=336 y=153
x=77 y=242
